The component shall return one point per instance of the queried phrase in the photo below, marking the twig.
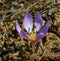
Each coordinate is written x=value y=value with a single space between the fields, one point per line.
x=25 y=9
x=32 y=5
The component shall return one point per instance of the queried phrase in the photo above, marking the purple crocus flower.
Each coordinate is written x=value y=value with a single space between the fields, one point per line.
x=35 y=31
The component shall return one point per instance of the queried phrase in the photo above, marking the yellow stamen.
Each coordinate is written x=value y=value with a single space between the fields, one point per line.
x=32 y=37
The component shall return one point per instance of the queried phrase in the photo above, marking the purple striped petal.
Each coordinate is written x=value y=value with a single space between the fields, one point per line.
x=20 y=31
x=28 y=22
x=24 y=35
x=38 y=22
x=18 y=27
x=43 y=31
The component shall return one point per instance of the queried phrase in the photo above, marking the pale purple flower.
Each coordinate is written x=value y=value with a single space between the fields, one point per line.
x=34 y=29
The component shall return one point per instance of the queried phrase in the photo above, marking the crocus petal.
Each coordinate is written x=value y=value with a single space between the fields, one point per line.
x=18 y=27
x=43 y=31
x=20 y=31
x=24 y=35
x=38 y=22
x=28 y=22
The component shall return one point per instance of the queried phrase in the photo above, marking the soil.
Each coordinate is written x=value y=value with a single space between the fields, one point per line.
x=15 y=48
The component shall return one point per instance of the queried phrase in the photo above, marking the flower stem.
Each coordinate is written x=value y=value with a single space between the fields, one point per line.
x=33 y=47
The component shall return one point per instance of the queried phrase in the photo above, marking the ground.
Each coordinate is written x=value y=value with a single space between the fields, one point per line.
x=13 y=47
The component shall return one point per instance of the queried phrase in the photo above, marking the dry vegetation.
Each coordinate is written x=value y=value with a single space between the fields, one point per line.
x=12 y=47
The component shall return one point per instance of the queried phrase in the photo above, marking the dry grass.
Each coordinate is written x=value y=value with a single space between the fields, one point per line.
x=12 y=47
